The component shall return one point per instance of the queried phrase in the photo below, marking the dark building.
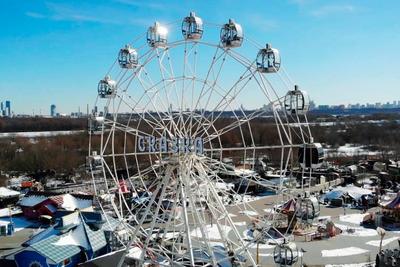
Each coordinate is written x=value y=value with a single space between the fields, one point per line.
x=8 y=108
x=53 y=112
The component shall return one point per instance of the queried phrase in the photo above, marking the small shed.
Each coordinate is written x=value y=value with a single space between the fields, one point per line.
x=8 y=196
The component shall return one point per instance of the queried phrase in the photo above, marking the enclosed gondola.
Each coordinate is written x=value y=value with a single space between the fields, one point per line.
x=95 y=124
x=127 y=57
x=286 y=254
x=94 y=163
x=311 y=155
x=296 y=102
x=157 y=35
x=231 y=34
x=307 y=207
x=192 y=27
x=107 y=88
x=268 y=60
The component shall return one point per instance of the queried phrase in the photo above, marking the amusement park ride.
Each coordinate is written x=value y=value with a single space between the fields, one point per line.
x=169 y=109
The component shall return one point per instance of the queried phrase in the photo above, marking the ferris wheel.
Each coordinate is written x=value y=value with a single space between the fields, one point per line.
x=191 y=120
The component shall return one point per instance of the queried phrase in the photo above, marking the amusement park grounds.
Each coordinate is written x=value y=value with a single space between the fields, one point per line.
x=312 y=255
x=358 y=251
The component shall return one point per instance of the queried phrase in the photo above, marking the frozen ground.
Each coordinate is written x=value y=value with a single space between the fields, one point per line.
x=355 y=247
x=38 y=134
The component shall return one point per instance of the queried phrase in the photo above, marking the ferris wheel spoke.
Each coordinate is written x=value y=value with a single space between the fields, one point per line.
x=215 y=215
x=223 y=208
x=227 y=99
x=236 y=124
x=157 y=210
x=153 y=97
x=215 y=59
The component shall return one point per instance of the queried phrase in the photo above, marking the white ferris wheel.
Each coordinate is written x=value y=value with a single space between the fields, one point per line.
x=183 y=152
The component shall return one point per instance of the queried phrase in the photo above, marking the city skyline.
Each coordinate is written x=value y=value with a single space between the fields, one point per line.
x=333 y=51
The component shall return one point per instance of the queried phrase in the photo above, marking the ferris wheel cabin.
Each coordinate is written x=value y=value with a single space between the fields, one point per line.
x=308 y=207
x=192 y=27
x=286 y=254
x=311 y=155
x=127 y=57
x=231 y=34
x=95 y=124
x=296 y=102
x=107 y=88
x=157 y=35
x=268 y=60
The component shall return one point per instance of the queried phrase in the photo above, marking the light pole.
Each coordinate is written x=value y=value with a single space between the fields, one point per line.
x=302 y=251
x=381 y=233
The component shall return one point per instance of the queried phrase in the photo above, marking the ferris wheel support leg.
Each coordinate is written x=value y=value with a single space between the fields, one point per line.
x=225 y=212
x=186 y=220
x=202 y=225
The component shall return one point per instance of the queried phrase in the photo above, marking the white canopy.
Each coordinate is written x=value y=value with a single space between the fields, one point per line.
x=351 y=190
x=5 y=192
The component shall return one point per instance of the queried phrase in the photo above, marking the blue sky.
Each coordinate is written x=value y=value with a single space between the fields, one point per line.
x=56 y=51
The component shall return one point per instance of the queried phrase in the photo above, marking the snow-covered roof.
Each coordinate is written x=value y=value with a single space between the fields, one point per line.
x=5 y=192
x=6 y=212
x=72 y=203
x=352 y=190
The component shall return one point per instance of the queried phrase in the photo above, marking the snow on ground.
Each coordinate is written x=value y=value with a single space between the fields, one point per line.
x=356 y=231
x=364 y=264
x=224 y=217
x=355 y=218
x=349 y=150
x=135 y=253
x=211 y=232
x=386 y=241
x=270 y=210
x=249 y=212
x=265 y=255
x=247 y=198
x=323 y=218
x=270 y=242
x=240 y=223
x=38 y=134
x=343 y=252
x=260 y=245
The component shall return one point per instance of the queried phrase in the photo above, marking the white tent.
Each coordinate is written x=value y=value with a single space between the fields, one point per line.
x=350 y=190
x=7 y=193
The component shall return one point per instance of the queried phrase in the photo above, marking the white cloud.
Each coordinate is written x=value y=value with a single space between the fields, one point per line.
x=95 y=14
x=332 y=9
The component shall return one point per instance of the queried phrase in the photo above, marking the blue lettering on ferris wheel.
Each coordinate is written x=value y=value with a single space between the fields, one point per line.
x=175 y=145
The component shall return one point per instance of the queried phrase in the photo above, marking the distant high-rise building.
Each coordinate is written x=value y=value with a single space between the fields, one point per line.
x=8 y=108
x=53 y=112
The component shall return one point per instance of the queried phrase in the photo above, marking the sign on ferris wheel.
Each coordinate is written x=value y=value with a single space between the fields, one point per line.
x=175 y=145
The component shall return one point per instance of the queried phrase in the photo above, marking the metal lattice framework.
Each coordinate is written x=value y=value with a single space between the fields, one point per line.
x=171 y=118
